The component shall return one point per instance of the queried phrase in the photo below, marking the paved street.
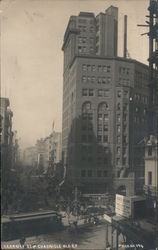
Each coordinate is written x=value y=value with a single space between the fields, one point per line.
x=88 y=238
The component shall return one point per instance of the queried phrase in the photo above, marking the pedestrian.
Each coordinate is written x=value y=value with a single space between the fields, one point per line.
x=23 y=242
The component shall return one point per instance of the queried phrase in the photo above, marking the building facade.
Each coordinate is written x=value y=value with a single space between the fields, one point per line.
x=29 y=157
x=48 y=151
x=6 y=134
x=151 y=167
x=105 y=101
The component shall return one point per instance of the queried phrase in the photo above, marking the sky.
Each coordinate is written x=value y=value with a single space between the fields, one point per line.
x=32 y=34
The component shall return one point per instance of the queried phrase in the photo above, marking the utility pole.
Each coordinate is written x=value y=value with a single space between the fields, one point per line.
x=152 y=24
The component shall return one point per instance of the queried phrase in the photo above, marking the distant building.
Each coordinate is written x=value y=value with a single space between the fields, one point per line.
x=48 y=150
x=105 y=99
x=15 y=151
x=29 y=157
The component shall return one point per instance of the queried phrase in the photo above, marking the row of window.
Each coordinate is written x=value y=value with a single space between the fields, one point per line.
x=100 y=92
x=99 y=68
x=101 y=117
x=141 y=76
x=83 y=28
x=124 y=82
x=125 y=93
x=87 y=106
x=99 y=80
x=85 y=49
x=141 y=98
x=86 y=39
x=83 y=20
x=123 y=70
x=90 y=173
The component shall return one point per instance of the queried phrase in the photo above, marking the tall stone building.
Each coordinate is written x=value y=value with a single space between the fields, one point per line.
x=105 y=99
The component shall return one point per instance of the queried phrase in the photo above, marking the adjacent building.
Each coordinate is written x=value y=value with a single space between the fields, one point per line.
x=105 y=102
x=6 y=134
x=151 y=167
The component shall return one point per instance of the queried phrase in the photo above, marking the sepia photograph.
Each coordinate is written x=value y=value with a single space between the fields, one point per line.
x=79 y=124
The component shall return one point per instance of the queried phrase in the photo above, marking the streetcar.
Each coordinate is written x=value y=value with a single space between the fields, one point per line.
x=30 y=224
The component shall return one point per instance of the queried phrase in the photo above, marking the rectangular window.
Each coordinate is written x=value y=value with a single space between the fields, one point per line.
x=124 y=139
x=99 y=127
x=106 y=93
x=84 y=92
x=118 y=139
x=91 y=92
x=84 y=79
x=100 y=116
x=84 y=67
x=100 y=92
x=91 y=29
x=118 y=150
x=93 y=68
x=119 y=129
x=104 y=80
x=100 y=68
x=106 y=118
x=93 y=79
x=118 y=93
x=118 y=161
x=150 y=151
x=80 y=49
x=118 y=118
x=89 y=67
x=108 y=68
x=105 y=128
x=89 y=79
x=99 y=138
x=108 y=79
x=105 y=68
x=99 y=80
x=105 y=138
x=149 y=178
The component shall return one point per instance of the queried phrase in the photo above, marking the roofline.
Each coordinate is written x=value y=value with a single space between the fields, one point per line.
x=108 y=58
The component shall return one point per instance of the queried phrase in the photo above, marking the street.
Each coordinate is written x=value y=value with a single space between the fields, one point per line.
x=88 y=238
